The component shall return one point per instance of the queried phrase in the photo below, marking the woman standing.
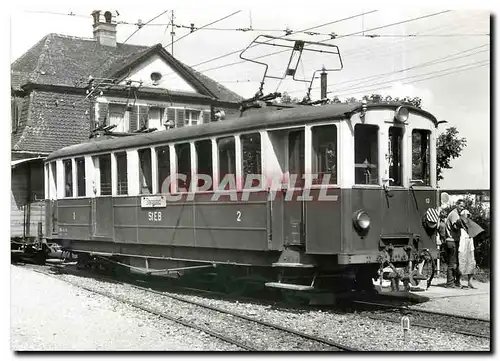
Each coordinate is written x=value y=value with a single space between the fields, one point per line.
x=466 y=260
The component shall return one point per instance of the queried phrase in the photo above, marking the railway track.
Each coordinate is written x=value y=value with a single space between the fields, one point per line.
x=470 y=326
x=245 y=332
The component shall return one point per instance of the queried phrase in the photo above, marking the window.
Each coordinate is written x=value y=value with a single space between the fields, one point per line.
x=80 y=177
x=68 y=178
x=53 y=179
x=227 y=159
x=155 y=116
x=163 y=164
x=296 y=157
x=119 y=117
x=251 y=157
x=145 y=173
x=204 y=154
x=395 y=156
x=421 y=165
x=105 y=172
x=192 y=117
x=366 y=154
x=121 y=170
x=324 y=154
x=183 y=152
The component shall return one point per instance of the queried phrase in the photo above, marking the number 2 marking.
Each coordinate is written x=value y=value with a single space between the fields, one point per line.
x=238 y=216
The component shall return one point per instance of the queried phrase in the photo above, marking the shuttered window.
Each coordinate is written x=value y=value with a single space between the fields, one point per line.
x=134 y=117
x=143 y=117
x=179 y=118
x=102 y=114
x=206 y=116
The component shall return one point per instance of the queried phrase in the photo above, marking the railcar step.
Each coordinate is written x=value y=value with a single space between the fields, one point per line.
x=294 y=265
x=289 y=286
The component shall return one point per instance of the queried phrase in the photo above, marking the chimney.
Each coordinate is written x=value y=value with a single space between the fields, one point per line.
x=324 y=83
x=104 y=28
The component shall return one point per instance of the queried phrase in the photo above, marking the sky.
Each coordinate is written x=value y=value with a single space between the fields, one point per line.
x=439 y=55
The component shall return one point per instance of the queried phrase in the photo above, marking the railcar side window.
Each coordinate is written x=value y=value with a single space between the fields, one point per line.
x=121 y=170
x=53 y=179
x=163 y=161
x=105 y=171
x=205 y=167
x=227 y=158
x=366 y=154
x=395 y=155
x=251 y=157
x=420 y=154
x=183 y=152
x=68 y=178
x=80 y=176
x=296 y=157
x=324 y=162
x=145 y=173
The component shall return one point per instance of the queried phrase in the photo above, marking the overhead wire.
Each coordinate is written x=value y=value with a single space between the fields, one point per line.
x=371 y=89
x=366 y=88
x=447 y=58
x=322 y=41
x=213 y=22
x=307 y=29
x=156 y=17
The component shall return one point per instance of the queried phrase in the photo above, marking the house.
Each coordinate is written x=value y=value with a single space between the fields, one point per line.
x=66 y=90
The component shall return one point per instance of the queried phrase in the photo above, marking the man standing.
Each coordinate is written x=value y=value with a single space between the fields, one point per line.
x=453 y=228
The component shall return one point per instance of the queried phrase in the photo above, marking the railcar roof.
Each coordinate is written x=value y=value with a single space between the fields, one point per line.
x=248 y=122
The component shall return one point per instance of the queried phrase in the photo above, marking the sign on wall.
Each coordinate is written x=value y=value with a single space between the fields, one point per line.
x=153 y=202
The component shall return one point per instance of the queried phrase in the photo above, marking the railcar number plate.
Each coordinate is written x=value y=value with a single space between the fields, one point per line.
x=153 y=202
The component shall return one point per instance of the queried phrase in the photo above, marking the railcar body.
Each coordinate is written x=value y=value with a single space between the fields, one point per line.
x=317 y=191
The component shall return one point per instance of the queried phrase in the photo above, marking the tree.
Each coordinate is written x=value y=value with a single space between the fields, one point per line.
x=449 y=146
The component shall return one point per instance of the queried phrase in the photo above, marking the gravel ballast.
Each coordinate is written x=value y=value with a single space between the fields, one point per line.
x=50 y=315
x=349 y=329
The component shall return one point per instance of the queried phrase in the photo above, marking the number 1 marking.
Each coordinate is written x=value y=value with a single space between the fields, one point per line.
x=238 y=216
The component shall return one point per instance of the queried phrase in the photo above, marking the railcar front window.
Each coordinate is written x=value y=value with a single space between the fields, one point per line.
x=205 y=167
x=163 y=163
x=251 y=158
x=227 y=159
x=68 y=178
x=395 y=155
x=145 y=173
x=105 y=171
x=121 y=169
x=80 y=176
x=324 y=162
x=420 y=154
x=366 y=154
x=296 y=158
x=183 y=152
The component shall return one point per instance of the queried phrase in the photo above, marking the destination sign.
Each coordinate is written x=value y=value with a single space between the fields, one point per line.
x=153 y=202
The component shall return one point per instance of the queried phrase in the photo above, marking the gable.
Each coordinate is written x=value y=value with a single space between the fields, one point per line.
x=170 y=79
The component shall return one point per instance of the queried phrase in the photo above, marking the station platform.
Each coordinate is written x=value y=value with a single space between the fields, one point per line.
x=457 y=301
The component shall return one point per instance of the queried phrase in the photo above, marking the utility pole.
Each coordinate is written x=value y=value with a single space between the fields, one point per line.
x=172 y=33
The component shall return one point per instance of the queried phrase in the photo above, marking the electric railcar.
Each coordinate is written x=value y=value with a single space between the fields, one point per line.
x=302 y=196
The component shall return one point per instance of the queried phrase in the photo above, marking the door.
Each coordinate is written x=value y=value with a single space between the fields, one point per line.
x=294 y=206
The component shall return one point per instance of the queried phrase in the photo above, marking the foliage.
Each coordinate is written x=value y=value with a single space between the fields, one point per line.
x=482 y=216
x=449 y=146
x=287 y=99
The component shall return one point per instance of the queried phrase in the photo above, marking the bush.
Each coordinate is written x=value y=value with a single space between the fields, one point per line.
x=482 y=216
